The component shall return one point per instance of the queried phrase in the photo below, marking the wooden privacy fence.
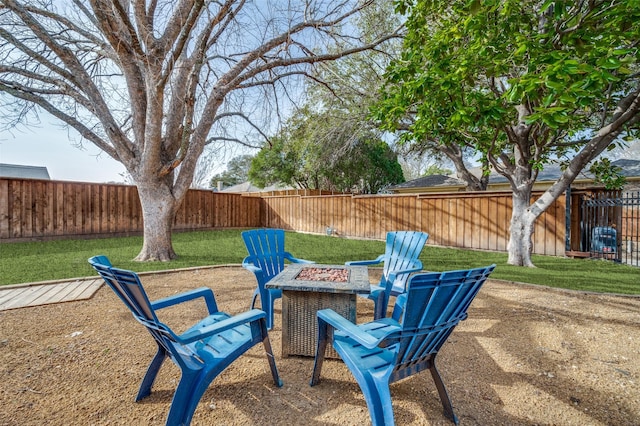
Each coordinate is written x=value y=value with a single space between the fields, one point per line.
x=478 y=220
x=40 y=209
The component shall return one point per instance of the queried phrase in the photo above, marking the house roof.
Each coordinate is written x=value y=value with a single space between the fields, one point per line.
x=630 y=168
x=242 y=187
x=248 y=187
x=429 y=181
x=551 y=172
x=23 y=172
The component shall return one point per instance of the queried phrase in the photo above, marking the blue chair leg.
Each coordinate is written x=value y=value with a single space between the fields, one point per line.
x=380 y=305
x=378 y=397
x=442 y=391
x=269 y=351
x=152 y=372
x=266 y=304
x=198 y=389
x=320 y=351
x=180 y=413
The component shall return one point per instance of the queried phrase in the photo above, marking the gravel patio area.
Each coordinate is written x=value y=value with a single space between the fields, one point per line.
x=527 y=355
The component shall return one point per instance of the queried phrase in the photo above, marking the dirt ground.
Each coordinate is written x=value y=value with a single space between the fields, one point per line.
x=526 y=356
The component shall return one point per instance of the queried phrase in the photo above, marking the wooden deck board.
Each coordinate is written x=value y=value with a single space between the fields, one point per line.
x=23 y=298
x=84 y=290
x=44 y=294
x=79 y=290
x=6 y=296
x=50 y=294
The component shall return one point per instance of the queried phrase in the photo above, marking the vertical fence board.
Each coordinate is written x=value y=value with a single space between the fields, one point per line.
x=485 y=223
x=38 y=208
x=219 y=205
x=58 y=209
x=436 y=227
x=374 y=222
x=49 y=199
x=94 y=209
x=103 y=195
x=86 y=209
x=502 y=230
x=4 y=209
x=27 y=210
x=15 y=209
x=469 y=208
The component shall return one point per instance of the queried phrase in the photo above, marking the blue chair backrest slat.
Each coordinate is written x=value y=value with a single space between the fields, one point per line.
x=436 y=302
x=271 y=264
x=266 y=250
x=424 y=313
x=401 y=250
x=133 y=287
x=264 y=241
x=119 y=283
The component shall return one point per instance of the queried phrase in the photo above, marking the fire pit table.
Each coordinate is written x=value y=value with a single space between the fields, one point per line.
x=307 y=288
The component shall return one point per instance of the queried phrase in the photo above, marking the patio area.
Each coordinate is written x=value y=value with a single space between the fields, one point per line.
x=526 y=355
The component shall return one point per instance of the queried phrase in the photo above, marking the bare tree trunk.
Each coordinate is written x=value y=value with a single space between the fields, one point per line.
x=520 y=245
x=159 y=208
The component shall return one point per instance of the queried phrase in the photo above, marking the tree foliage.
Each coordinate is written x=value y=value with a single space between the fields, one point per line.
x=436 y=169
x=275 y=164
x=523 y=83
x=321 y=151
x=368 y=167
x=237 y=172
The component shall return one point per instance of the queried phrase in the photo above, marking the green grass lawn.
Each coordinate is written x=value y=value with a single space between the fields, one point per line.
x=41 y=261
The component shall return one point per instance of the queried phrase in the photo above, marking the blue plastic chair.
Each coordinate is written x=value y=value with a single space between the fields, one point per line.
x=202 y=352
x=400 y=259
x=266 y=259
x=384 y=351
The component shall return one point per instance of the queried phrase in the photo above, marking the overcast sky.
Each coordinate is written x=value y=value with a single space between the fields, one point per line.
x=49 y=145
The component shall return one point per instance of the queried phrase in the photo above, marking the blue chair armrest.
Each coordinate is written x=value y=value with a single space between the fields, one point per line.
x=219 y=327
x=417 y=267
x=379 y=259
x=398 y=307
x=342 y=324
x=249 y=265
x=204 y=292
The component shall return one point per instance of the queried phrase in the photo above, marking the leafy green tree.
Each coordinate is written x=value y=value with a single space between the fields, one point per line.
x=237 y=172
x=608 y=174
x=330 y=142
x=274 y=164
x=436 y=169
x=320 y=151
x=368 y=166
x=524 y=82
